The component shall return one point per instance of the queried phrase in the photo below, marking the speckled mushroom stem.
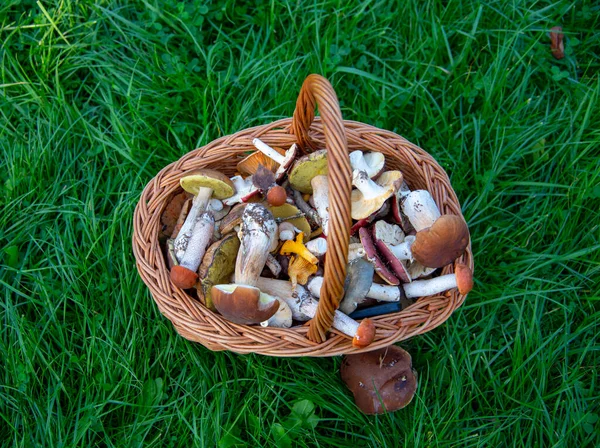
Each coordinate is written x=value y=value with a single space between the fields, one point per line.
x=420 y=209
x=201 y=236
x=311 y=215
x=385 y=293
x=420 y=288
x=198 y=206
x=257 y=235
x=321 y=199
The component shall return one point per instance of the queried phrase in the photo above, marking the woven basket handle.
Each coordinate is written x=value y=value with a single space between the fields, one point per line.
x=317 y=90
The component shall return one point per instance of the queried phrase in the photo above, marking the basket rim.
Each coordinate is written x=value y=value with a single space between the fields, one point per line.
x=422 y=316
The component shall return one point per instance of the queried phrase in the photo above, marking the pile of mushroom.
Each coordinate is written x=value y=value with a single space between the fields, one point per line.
x=252 y=247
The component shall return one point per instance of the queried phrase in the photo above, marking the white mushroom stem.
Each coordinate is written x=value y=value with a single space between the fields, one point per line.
x=287 y=231
x=420 y=209
x=303 y=305
x=368 y=188
x=257 y=235
x=198 y=206
x=321 y=200
x=268 y=151
x=402 y=251
x=419 y=288
x=198 y=242
x=317 y=247
x=371 y=163
x=384 y=293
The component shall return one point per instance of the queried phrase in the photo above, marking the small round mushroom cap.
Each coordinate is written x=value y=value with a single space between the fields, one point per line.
x=183 y=278
x=206 y=178
x=242 y=304
x=464 y=278
x=364 y=334
x=307 y=167
x=442 y=243
x=285 y=211
x=276 y=196
x=381 y=380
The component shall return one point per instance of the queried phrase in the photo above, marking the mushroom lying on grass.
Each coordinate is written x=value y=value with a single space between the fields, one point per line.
x=381 y=380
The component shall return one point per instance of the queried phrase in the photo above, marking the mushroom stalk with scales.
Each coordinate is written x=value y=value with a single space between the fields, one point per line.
x=203 y=184
x=304 y=307
x=284 y=161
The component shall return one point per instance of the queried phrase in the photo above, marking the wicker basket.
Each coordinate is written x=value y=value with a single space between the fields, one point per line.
x=195 y=322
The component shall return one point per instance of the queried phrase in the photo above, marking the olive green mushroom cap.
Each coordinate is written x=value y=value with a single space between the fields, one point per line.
x=307 y=167
x=206 y=178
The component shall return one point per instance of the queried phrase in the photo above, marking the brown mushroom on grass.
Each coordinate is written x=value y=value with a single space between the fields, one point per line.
x=381 y=380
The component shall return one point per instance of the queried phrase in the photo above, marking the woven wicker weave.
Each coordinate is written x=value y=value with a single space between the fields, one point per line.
x=195 y=322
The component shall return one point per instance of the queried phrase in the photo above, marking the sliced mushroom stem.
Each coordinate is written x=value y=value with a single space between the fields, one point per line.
x=257 y=235
x=201 y=236
x=268 y=151
x=321 y=199
x=461 y=279
x=385 y=293
x=198 y=206
x=369 y=189
x=420 y=209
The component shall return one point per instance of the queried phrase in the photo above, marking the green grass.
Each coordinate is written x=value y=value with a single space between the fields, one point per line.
x=96 y=97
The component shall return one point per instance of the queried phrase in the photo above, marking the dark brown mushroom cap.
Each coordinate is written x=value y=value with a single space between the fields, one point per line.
x=373 y=257
x=381 y=380
x=442 y=243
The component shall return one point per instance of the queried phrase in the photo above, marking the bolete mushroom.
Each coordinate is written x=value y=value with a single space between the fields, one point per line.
x=461 y=279
x=184 y=275
x=307 y=167
x=372 y=162
x=381 y=380
x=284 y=161
x=203 y=184
x=250 y=164
x=304 y=307
x=371 y=195
x=393 y=247
x=217 y=266
x=242 y=302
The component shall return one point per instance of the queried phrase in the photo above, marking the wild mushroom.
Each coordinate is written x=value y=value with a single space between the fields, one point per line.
x=420 y=209
x=170 y=215
x=299 y=269
x=304 y=307
x=321 y=200
x=417 y=270
x=264 y=180
x=244 y=190
x=184 y=275
x=381 y=213
x=233 y=218
x=381 y=380
x=242 y=302
x=373 y=257
x=393 y=247
x=249 y=165
x=372 y=162
x=317 y=246
x=307 y=167
x=359 y=287
x=297 y=247
x=204 y=184
x=371 y=195
x=284 y=161
x=217 y=266
x=289 y=213
x=282 y=317
x=461 y=279
x=287 y=231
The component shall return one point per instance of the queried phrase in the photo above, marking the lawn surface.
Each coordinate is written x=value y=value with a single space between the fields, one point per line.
x=96 y=97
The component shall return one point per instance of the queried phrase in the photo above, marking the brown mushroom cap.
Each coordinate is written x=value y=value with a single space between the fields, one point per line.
x=276 y=196
x=250 y=164
x=243 y=304
x=464 y=278
x=381 y=380
x=364 y=334
x=234 y=218
x=442 y=243
x=217 y=267
x=220 y=184
x=307 y=167
x=183 y=277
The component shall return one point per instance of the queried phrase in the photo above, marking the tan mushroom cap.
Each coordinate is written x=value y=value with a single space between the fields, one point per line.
x=363 y=207
x=220 y=184
x=381 y=380
x=442 y=243
x=243 y=304
x=250 y=164
x=464 y=278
